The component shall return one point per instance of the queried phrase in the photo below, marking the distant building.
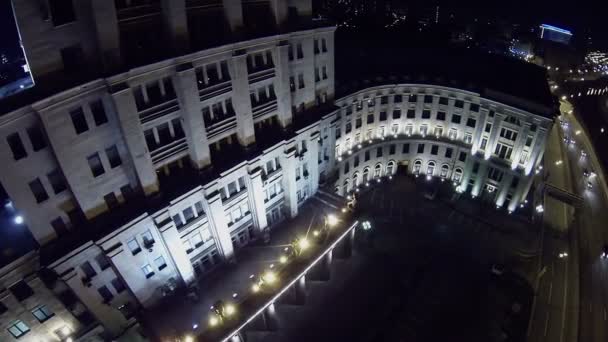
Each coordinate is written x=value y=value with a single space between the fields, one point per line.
x=555 y=34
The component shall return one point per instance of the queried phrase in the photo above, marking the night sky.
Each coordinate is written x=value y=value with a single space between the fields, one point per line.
x=9 y=38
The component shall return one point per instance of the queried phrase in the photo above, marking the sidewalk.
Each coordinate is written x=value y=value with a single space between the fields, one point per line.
x=168 y=322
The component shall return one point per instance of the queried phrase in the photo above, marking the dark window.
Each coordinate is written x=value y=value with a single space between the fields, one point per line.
x=426 y=114
x=462 y=156
x=370 y=118
x=95 y=165
x=411 y=113
x=299 y=51
x=448 y=153
x=379 y=152
x=323 y=45
x=491 y=114
x=488 y=128
x=533 y=128
x=398 y=99
x=178 y=131
x=21 y=291
x=441 y=116
x=3 y=308
x=382 y=116
x=471 y=122
x=476 y=167
x=105 y=293
x=99 y=112
x=62 y=11
x=434 y=149
x=79 y=121
x=420 y=148
x=443 y=101
x=356 y=161
x=346 y=167
x=127 y=192
x=514 y=182
x=113 y=156
x=38 y=190
x=59 y=226
x=290 y=52
x=316 y=46
x=391 y=149
x=397 y=114
x=111 y=200
x=456 y=118
x=164 y=134
x=16 y=145
x=348 y=128
x=413 y=98
x=72 y=58
x=406 y=148
x=474 y=107
x=119 y=286
x=103 y=261
x=57 y=181
x=36 y=137
x=459 y=104
x=428 y=98
x=300 y=81
x=529 y=141
x=384 y=99
x=367 y=155
x=358 y=122
x=88 y=270
x=151 y=141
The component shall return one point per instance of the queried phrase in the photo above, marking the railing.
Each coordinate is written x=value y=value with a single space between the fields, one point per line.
x=169 y=151
x=158 y=111
x=212 y=91
x=221 y=127
x=201 y=4
x=266 y=108
x=138 y=12
x=261 y=75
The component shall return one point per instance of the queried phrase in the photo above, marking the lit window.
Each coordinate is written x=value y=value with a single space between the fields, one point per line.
x=18 y=329
x=42 y=313
x=134 y=246
x=148 y=270
x=160 y=263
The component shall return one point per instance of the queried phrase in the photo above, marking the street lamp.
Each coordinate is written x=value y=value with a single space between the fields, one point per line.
x=331 y=220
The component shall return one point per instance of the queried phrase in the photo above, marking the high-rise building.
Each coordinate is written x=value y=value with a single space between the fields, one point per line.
x=194 y=137
x=555 y=34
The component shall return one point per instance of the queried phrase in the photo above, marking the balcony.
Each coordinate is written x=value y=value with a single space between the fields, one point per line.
x=262 y=109
x=261 y=75
x=176 y=148
x=220 y=127
x=209 y=91
x=158 y=111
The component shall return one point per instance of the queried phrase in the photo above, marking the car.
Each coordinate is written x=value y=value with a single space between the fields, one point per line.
x=583 y=153
x=589 y=185
x=586 y=173
x=605 y=252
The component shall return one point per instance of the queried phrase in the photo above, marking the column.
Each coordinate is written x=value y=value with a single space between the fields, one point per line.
x=498 y=118
x=313 y=162
x=217 y=224
x=128 y=118
x=330 y=143
x=241 y=101
x=288 y=164
x=174 y=245
x=255 y=193
x=481 y=178
x=106 y=29
x=279 y=10
x=331 y=80
x=503 y=190
x=518 y=147
x=187 y=94
x=481 y=123
x=282 y=90
x=466 y=172
x=233 y=10
x=520 y=191
x=538 y=151
x=308 y=68
x=176 y=22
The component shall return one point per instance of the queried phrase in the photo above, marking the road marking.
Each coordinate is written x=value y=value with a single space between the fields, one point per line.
x=550 y=291
x=546 y=323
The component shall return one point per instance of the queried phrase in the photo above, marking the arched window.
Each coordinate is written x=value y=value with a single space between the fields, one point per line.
x=390 y=168
x=417 y=166
x=356 y=180
x=430 y=168
x=378 y=171
x=366 y=175
x=346 y=186
x=444 y=170
x=457 y=175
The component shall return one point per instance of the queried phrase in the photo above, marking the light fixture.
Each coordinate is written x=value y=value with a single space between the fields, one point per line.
x=303 y=244
x=18 y=219
x=255 y=288
x=229 y=309
x=213 y=320
x=332 y=220
x=283 y=259
x=270 y=277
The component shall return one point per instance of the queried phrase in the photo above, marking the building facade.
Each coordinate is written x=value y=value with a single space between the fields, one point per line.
x=141 y=182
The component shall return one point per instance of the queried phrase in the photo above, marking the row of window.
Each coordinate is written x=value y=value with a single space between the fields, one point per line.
x=218 y=112
x=292 y=82
x=414 y=98
x=79 y=119
x=197 y=240
x=96 y=165
x=154 y=93
x=259 y=61
x=263 y=95
x=210 y=75
x=37 y=139
x=164 y=134
x=57 y=181
x=321 y=75
x=188 y=214
x=147 y=239
x=159 y=262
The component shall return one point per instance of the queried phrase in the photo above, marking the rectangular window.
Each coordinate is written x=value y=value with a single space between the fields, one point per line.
x=147 y=238
x=474 y=107
x=462 y=156
x=324 y=72
x=382 y=116
x=42 y=313
x=456 y=118
x=358 y=122
x=391 y=149
x=133 y=246
x=99 y=113
x=529 y=141
x=105 y=293
x=413 y=98
x=38 y=190
x=484 y=143
x=111 y=200
x=316 y=46
x=406 y=148
x=367 y=155
x=411 y=113
x=448 y=152
x=96 y=165
x=21 y=290
x=160 y=263
x=396 y=114
x=16 y=145
x=379 y=152
x=476 y=167
x=471 y=122
x=459 y=104
x=428 y=98
x=188 y=214
x=370 y=119
x=103 y=261
x=62 y=12
x=443 y=101
x=148 y=270
x=290 y=52
x=488 y=128
x=426 y=114
x=348 y=128
x=420 y=148
x=356 y=161
x=434 y=149
x=323 y=45
x=18 y=329
x=79 y=121
x=57 y=181
x=441 y=116
x=118 y=285
x=113 y=156
x=384 y=100
x=300 y=81
x=36 y=137
x=300 y=52
x=398 y=98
